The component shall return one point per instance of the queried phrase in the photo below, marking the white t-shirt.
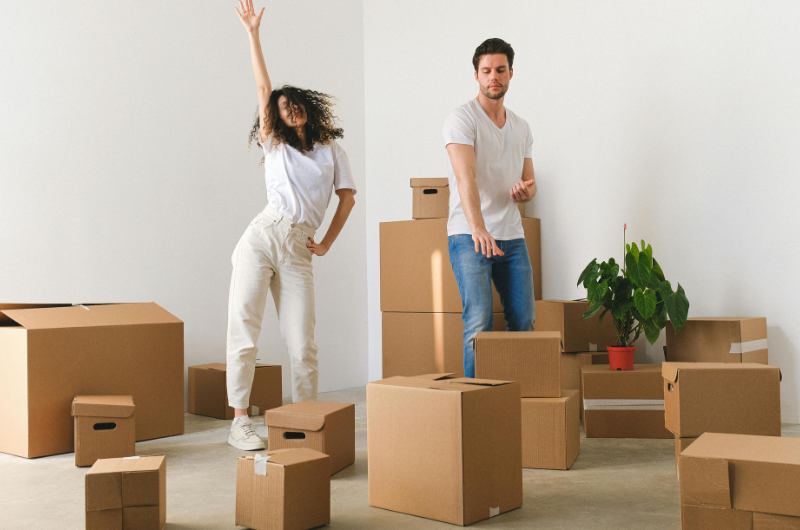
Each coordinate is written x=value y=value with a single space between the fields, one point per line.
x=299 y=185
x=499 y=154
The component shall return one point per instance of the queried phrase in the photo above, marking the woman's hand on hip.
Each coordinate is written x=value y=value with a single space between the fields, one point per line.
x=318 y=249
x=250 y=20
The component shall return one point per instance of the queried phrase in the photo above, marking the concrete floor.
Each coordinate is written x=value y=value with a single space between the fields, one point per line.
x=614 y=484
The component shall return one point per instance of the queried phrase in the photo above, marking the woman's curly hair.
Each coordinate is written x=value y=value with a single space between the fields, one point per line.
x=320 y=122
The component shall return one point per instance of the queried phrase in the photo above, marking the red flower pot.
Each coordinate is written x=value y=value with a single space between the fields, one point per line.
x=621 y=358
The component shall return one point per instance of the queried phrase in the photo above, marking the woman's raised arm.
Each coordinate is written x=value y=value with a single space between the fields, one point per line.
x=251 y=23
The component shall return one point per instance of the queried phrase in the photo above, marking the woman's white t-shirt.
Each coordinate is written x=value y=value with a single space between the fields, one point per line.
x=299 y=185
x=499 y=154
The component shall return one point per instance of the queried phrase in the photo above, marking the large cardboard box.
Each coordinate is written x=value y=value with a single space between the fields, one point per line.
x=680 y=445
x=52 y=354
x=718 y=340
x=284 y=489
x=416 y=275
x=720 y=397
x=579 y=335
x=736 y=472
x=571 y=370
x=551 y=431
x=425 y=343
x=208 y=391
x=623 y=403
x=105 y=427
x=430 y=199
x=329 y=428
x=127 y=494
x=445 y=449
x=533 y=358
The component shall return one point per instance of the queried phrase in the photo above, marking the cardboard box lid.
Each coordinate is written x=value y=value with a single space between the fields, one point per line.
x=303 y=415
x=429 y=183
x=91 y=316
x=520 y=336
x=454 y=384
x=643 y=382
x=5 y=319
x=768 y=449
x=105 y=406
x=289 y=457
x=129 y=464
x=223 y=367
x=671 y=371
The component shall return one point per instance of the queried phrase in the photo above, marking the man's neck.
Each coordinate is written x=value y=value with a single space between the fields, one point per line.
x=493 y=108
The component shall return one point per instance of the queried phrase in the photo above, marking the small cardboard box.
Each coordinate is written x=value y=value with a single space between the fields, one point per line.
x=578 y=335
x=329 y=428
x=742 y=472
x=425 y=343
x=680 y=445
x=571 y=370
x=287 y=488
x=718 y=340
x=208 y=394
x=533 y=358
x=418 y=277
x=431 y=198
x=105 y=427
x=52 y=354
x=720 y=397
x=127 y=493
x=444 y=449
x=623 y=403
x=551 y=431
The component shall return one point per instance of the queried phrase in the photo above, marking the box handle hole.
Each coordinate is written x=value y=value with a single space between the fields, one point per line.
x=105 y=426
x=430 y=191
x=294 y=436
x=669 y=387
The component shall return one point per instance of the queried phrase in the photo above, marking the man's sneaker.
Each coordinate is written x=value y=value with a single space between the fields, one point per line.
x=244 y=437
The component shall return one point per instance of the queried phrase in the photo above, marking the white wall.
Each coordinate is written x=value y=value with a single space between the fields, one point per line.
x=681 y=119
x=124 y=171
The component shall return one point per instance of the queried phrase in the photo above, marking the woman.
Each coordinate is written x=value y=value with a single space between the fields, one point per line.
x=304 y=165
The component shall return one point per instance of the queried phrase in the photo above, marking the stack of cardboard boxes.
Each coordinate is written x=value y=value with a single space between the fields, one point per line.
x=422 y=327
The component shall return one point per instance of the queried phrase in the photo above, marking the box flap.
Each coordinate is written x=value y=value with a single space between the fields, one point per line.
x=429 y=183
x=129 y=464
x=704 y=481
x=303 y=415
x=669 y=371
x=477 y=382
x=103 y=406
x=437 y=377
x=91 y=316
x=5 y=320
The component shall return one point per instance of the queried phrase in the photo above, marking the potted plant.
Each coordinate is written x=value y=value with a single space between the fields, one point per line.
x=639 y=298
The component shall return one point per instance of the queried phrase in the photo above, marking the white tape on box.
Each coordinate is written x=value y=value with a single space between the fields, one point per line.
x=592 y=346
x=130 y=458
x=254 y=410
x=260 y=464
x=746 y=347
x=623 y=404
x=494 y=511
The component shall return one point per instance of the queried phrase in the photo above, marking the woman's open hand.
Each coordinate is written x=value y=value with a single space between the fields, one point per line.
x=248 y=16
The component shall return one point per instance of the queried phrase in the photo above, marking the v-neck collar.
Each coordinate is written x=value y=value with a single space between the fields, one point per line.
x=501 y=129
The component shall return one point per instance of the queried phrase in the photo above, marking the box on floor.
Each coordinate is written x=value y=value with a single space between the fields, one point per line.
x=742 y=398
x=623 y=403
x=735 y=481
x=425 y=343
x=551 y=431
x=579 y=335
x=105 y=427
x=285 y=488
x=718 y=340
x=127 y=493
x=329 y=428
x=571 y=370
x=533 y=358
x=680 y=445
x=52 y=354
x=458 y=458
x=418 y=278
x=208 y=394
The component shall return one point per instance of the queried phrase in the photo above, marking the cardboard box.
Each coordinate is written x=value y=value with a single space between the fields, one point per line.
x=287 y=488
x=52 y=354
x=769 y=521
x=724 y=398
x=680 y=445
x=578 y=335
x=742 y=472
x=533 y=358
x=127 y=493
x=418 y=277
x=431 y=198
x=329 y=428
x=444 y=448
x=718 y=340
x=571 y=371
x=105 y=427
x=208 y=394
x=623 y=403
x=424 y=343
x=551 y=431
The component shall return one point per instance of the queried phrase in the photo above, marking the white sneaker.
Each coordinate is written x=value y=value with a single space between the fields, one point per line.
x=244 y=437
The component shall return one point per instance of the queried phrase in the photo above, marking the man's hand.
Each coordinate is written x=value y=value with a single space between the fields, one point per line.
x=520 y=192
x=485 y=244
x=250 y=20
x=318 y=249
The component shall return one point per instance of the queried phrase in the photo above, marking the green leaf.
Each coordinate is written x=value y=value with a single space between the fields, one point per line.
x=635 y=251
x=603 y=314
x=652 y=333
x=631 y=265
x=641 y=274
x=649 y=251
x=599 y=291
x=591 y=267
x=678 y=308
x=593 y=310
x=665 y=288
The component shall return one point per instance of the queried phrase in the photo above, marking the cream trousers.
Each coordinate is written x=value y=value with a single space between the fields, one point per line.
x=271 y=255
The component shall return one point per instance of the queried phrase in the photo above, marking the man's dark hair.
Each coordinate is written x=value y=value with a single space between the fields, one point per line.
x=491 y=46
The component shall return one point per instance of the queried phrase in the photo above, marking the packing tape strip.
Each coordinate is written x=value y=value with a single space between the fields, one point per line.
x=254 y=410
x=260 y=464
x=746 y=347
x=623 y=404
x=494 y=511
x=592 y=346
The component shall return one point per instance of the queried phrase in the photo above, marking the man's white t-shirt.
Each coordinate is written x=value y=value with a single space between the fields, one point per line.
x=299 y=185
x=499 y=154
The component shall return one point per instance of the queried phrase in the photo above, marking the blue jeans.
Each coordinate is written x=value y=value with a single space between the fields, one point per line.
x=513 y=278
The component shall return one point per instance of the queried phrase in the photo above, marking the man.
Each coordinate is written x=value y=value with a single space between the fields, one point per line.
x=490 y=171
